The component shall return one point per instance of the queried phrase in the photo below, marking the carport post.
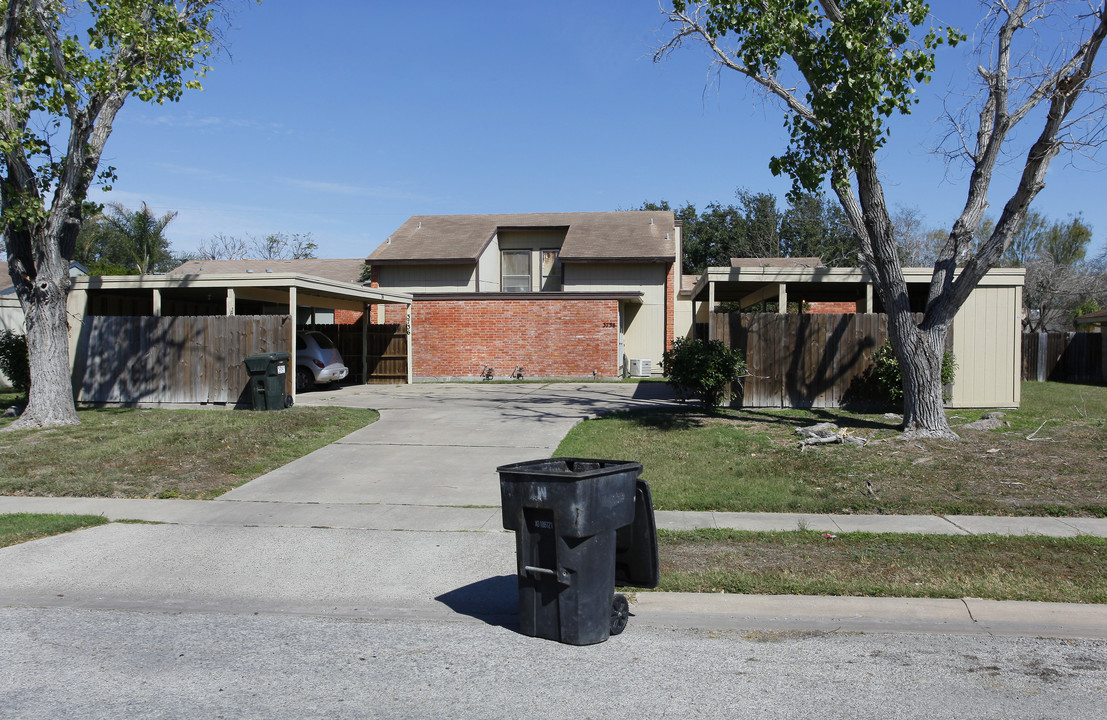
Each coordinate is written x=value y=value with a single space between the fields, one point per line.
x=290 y=377
x=365 y=343
x=710 y=310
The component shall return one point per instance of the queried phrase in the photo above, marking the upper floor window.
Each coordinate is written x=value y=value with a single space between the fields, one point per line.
x=516 y=271
x=551 y=270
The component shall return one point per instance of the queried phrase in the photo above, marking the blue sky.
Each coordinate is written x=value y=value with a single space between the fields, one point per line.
x=342 y=118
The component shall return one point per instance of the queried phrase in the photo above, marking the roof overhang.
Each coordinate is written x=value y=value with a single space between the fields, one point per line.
x=737 y=283
x=307 y=286
x=631 y=297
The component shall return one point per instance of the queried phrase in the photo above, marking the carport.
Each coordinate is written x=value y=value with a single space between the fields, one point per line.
x=985 y=337
x=264 y=296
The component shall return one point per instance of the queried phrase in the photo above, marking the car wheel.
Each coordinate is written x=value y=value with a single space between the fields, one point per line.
x=304 y=380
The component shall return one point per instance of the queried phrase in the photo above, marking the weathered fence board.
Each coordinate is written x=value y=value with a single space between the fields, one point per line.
x=1064 y=357
x=196 y=359
x=806 y=360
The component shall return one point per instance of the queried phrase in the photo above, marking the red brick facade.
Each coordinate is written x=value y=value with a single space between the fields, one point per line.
x=554 y=337
x=831 y=308
x=346 y=317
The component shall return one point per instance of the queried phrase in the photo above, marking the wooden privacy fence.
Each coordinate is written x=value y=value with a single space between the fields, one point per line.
x=805 y=361
x=173 y=359
x=1064 y=357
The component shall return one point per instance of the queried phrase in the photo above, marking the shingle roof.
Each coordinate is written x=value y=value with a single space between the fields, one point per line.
x=598 y=236
x=342 y=270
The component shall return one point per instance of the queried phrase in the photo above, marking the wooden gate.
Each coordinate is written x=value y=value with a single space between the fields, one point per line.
x=386 y=355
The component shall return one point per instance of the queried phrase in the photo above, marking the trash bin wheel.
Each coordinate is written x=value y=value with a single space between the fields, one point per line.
x=620 y=612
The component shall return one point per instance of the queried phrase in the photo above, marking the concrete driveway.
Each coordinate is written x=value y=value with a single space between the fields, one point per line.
x=440 y=444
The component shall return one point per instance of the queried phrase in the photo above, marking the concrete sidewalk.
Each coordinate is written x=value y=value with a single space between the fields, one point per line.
x=385 y=516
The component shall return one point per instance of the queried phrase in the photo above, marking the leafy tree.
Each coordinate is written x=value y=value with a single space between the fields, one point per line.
x=843 y=69
x=66 y=68
x=1026 y=243
x=814 y=226
x=1058 y=279
x=119 y=241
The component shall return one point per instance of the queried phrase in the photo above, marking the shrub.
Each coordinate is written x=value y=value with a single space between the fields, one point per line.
x=703 y=368
x=887 y=374
x=14 y=361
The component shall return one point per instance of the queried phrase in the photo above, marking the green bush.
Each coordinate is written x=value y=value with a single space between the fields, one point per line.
x=703 y=368
x=887 y=374
x=14 y=361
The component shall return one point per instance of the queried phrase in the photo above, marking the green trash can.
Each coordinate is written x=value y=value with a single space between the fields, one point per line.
x=268 y=372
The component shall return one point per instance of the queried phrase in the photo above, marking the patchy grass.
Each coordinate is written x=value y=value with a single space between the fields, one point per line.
x=165 y=453
x=18 y=528
x=751 y=460
x=1031 y=568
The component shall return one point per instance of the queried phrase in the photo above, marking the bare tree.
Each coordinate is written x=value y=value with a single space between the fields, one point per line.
x=843 y=68
x=223 y=247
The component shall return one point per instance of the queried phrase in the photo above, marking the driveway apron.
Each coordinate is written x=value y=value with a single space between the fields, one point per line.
x=440 y=444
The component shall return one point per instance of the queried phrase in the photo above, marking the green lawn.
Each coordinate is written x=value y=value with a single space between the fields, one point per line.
x=165 y=453
x=751 y=460
x=18 y=528
x=886 y=565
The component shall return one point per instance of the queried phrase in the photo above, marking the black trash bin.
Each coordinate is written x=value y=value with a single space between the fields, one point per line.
x=575 y=521
x=268 y=373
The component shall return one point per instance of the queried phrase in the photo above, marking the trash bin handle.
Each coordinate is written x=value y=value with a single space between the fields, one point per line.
x=542 y=571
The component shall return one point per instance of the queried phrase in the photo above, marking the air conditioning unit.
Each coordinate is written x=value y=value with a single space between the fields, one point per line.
x=640 y=367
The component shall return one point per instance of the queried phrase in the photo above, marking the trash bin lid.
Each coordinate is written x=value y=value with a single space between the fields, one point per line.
x=259 y=362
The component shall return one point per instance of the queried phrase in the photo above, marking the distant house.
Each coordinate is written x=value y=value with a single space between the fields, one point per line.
x=570 y=295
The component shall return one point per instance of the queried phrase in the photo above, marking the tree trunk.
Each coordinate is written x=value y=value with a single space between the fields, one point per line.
x=923 y=408
x=50 y=398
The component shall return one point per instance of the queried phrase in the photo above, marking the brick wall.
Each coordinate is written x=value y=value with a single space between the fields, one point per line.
x=346 y=317
x=831 y=308
x=554 y=337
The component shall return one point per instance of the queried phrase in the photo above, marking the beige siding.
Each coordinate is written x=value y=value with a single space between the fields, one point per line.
x=427 y=278
x=683 y=319
x=488 y=269
x=11 y=314
x=988 y=346
x=644 y=336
